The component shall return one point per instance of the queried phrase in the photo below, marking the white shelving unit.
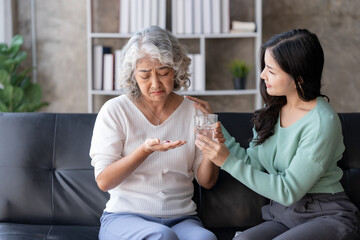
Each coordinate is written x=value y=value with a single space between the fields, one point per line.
x=256 y=36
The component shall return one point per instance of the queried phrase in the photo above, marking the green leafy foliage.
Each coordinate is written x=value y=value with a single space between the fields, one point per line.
x=17 y=92
x=238 y=68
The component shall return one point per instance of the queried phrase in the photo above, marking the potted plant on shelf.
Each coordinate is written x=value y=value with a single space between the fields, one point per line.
x=17 y=92
x=239 y=70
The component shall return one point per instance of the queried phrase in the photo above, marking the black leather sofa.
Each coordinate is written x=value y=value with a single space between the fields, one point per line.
x=48 y=190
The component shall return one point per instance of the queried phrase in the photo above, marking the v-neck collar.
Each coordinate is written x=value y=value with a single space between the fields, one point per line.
x=145 y=119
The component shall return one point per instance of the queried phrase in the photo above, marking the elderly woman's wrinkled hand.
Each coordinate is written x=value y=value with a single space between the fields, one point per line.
x=154 y=144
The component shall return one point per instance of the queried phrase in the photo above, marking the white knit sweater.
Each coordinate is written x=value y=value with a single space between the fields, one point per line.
x=162 y=185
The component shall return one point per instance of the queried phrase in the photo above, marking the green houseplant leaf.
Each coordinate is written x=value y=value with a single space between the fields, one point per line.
x=4 y=78
x=17 y=92
x=238 y=68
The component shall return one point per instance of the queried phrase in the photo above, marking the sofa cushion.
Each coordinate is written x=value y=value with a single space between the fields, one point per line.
x=231 y=204
x=45 y=170
x=13 y=231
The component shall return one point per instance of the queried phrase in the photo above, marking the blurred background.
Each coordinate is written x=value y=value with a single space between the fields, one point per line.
x=61 y=47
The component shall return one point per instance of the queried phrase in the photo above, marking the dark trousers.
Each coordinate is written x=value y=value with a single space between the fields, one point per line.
x=315 y=216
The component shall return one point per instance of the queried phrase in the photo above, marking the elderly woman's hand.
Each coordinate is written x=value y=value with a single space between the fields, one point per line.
x=154 y=144
x=201 y=104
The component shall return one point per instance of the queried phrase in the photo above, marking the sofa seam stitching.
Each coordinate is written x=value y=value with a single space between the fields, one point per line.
x=48 y=233
x=53 y=169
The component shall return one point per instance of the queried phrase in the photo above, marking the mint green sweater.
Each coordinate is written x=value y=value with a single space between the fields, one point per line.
x=295 y=160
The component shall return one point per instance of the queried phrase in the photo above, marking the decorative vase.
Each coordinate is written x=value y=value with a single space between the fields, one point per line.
x=239 y=83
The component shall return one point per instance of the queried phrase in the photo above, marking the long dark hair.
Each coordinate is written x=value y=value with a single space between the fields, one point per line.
x=298 y=53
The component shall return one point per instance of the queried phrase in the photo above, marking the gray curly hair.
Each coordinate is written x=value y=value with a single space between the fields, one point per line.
x=159 y=44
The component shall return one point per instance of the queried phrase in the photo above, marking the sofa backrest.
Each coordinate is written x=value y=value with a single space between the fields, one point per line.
x=46 y=176
x=350 y=163
x=45 y=171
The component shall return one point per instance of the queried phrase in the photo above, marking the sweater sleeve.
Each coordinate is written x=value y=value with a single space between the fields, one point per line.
x=107 y=140
x=317 y=149
x=248 y=156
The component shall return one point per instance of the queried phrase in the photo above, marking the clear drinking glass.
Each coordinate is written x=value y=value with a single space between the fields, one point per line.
x=205 y=124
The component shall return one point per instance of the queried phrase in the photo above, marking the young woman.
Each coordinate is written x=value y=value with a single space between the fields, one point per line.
x=143 y=146
x=292 y=158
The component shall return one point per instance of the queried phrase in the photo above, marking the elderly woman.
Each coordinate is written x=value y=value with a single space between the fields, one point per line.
x=143 y=146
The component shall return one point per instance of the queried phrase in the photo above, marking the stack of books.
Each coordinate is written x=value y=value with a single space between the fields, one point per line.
x=138 y=14
x=106 y=68
x=200 y=16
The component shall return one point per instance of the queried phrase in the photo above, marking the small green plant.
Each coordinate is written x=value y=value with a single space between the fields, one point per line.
x=17 y=92
x=238 y=68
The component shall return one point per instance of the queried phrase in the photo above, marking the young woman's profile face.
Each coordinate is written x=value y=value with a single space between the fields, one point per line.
x=277 y=81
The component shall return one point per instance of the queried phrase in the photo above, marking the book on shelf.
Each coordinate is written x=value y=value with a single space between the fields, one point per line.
x=199 y=77
x=189 y=16
x=117 y=56
x=207 y=16
x=124 y=16
x=98 y=65
x=216 y=16
x=174 y=17
x=162 y=14
x=147 y=13
x=140 y=13
x=154 y=12
x=198 y=17
x=180 y=16
x=225 y=16
x=108 y=76
x=240 y=27
x=133 y=16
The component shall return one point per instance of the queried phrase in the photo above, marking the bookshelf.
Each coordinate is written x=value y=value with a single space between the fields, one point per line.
x=201 y=38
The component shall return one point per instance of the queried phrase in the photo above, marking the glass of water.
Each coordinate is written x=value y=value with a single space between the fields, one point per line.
x=205 y=124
